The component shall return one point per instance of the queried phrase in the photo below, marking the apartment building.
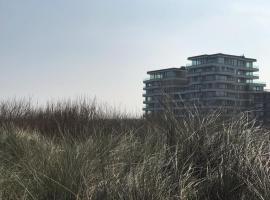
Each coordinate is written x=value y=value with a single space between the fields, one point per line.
x=210 y=81
x=162 y=86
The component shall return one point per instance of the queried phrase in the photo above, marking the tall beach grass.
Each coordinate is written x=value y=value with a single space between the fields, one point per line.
x=77 y=150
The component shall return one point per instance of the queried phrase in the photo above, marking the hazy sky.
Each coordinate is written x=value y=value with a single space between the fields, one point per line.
x=52 y=49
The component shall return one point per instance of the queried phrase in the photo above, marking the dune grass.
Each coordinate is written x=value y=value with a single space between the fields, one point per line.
x=76 y=150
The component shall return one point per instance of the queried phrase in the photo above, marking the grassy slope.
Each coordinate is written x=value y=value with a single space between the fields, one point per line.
x=75 y=151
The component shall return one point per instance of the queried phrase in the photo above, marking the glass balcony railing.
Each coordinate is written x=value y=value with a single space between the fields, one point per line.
x=146 y=79
x=152 y=78
x=164 y=77
x=241 y=66
x=255 y=66
x=258 y=83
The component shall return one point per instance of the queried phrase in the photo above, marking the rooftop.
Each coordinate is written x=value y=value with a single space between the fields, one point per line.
x=222 y=55
x=167 y=69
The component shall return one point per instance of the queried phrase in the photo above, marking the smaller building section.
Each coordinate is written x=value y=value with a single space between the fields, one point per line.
x=163 y=88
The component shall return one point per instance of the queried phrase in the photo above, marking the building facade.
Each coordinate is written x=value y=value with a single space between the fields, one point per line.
x=266 y=107
x=210 y=81
x=162 y=86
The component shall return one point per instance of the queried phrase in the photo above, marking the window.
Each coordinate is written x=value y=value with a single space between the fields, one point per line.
x=221 y=60
x=159 y=76
x=209 y=78
x=230 y=94
x=257 y=88
x=249 y=64
x=170 y=74
x=148 y=98
x=220 y=93
x=221 y=77
x=240 y=63
x=221 y=86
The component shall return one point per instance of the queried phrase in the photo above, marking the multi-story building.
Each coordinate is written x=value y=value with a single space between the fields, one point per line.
x=211 y=81
x=163 y=86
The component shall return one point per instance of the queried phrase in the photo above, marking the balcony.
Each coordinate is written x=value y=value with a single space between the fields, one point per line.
x=192 y=74
x=259 y=83
x=247 y=76
x=149 y=79
x=254 y=68
x=212 y=81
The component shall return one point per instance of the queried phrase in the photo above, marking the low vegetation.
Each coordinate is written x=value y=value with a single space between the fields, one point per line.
x=79 y=150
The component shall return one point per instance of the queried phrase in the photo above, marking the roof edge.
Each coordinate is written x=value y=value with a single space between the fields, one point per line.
x=167 y=69
x=221 y=54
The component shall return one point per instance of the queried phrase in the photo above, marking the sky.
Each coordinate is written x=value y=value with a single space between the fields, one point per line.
x=61 y=49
